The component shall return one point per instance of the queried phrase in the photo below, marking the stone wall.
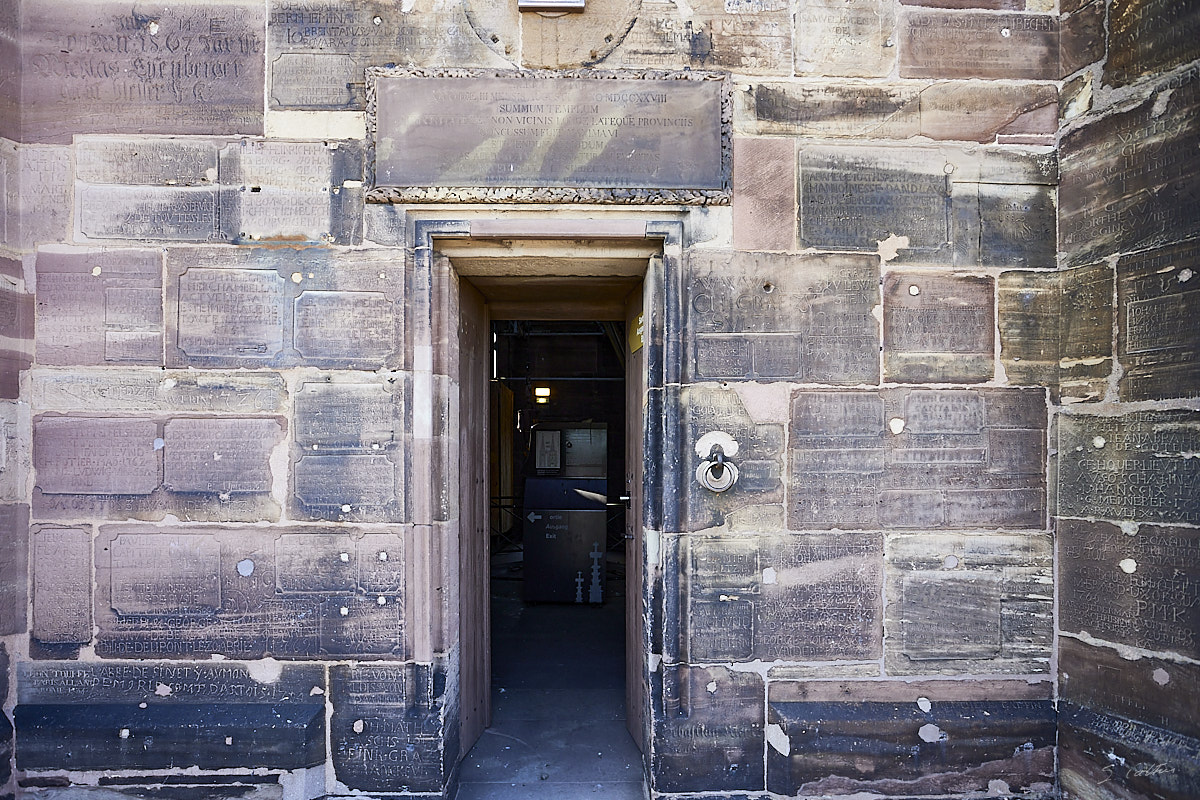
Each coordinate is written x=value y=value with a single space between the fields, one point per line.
x=950 y=341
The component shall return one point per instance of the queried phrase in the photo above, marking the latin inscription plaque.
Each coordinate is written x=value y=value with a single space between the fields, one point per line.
x=518 y=131
x=146 y=161
x=345 y=326
x=230 y=312
x=35 y=194
x=1158 y=340
x=1140 y=466
x=346 y=415
x=85 y=455
x=219 y=455
x=917 y=459
x=937 y=329
x=315 y=562
x=62 y=580
x=953 y=44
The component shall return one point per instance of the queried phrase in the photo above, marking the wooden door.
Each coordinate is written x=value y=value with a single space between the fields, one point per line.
x=636 y=690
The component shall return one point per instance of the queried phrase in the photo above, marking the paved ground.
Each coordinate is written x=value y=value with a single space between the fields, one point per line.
x=558 y=696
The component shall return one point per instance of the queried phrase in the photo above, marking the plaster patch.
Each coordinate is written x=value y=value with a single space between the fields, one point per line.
x=778 y=740
x=1161 y=677
x=1128 y=566
x=931 y=733
x=268 y=670
x=890 y=247
x=924 y=704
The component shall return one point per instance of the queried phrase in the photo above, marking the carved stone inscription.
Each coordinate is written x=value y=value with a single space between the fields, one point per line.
x=1140 y=588
x=937 y=329
x=840 y=38
x=785 y=598
x=146 y=161
x=997 y=583
x=157 y=391
x=1149 y=36
x=224 y=455
x=180 y=715
x=99 y=306
x=283 y=307
x=1158 y=338
x=35 y=194
x=1131 y=180
x=249 y=593
x=386 y=726
x=62 y=579
x=85 y=455
x=347 y=414
x=184 y=214
x=951 y=44
x=805 y=318
x=1139 y=466
x=517 y=131
x=917 y=459
x=14 y=568
x=709 y=730
x=165 y=69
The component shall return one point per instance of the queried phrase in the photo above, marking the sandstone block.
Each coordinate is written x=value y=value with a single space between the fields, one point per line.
x=937 y=328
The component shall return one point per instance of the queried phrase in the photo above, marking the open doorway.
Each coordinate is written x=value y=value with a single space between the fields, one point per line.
x=551 y=447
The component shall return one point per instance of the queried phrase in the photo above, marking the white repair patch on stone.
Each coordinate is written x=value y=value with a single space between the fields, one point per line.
x=890 y=247
x=914 y=290
x=345 y=508
x=931 y=733
x=896 y=425
x=950 y=562
x=728 y=444
x=344 y=611
x=245 y=568
x=315 y=691
x=228 y=740
x=1128 y=566
x=1129 y=528
x=778 y=739
x=1099 y=442
x=1186 y=275
x=162 y=690
x=344 y=558
x=123 y=733
x=711 y=687
x=159 y=444
x=1160 y=103
x=381 y=600
x=769 y=576
x=96 y=272
x=267 y=670
x=998 y=788
x=924 y=704
x=358 y=726
x=1161 y=677
x=297 y=277
x=383 y=556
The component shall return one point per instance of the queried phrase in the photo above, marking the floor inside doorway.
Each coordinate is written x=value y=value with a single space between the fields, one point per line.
x=558 y=704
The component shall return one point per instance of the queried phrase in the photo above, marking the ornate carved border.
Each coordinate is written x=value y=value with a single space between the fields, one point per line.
x=552 y=194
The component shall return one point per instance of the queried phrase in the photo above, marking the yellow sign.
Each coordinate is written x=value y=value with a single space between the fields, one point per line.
x=635 y=333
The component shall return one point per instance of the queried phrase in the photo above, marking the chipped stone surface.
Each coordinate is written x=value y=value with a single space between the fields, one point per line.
x=1137 y=589
x=855 y=38
x=937 y=329
x=69 y=714
x=954 y=44
x=99 y=306
x=818 y=601
x=764 y=316
x=1139 y=466
x=1147 y=37
x=62 y=584
x=14 y=568
x=1000 y=585
x=914 y=458
x=1158 y=340
x=860 y=736
x=103 y=68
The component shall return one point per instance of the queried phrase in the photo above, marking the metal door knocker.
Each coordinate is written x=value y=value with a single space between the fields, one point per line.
x=717 y=473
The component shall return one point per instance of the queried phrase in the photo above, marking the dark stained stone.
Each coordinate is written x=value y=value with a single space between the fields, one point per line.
x=1082 y=40
x=800 y=317
x=1131 y=180
x=1086 y=320
x=1136 y=588
x=1017 y=225
x=708 y=729
x=226 y=456
x=386 y=727
x=764 y=190
x=1139 y=466
x=1158 y=338
x=14 y=568
x=845 y=738
x=62 y=584
x=911 y=458
x=155 y=575
x=834 y=109
x=1030 y=319
x=937 y=329
x=79 y=716
x=191 y=69
x=998 y=584
x=99 y=306
x=782 y=597
x=963 y=44
x=1158 y=692
x=476 y=132
x=88 y=455
x=1149 y=36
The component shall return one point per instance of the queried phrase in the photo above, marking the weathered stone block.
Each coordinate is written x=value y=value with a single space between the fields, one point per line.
x=963 y=44
x=1147 y=37
x=1029 y=318
x=99 y=306
x=15 y=459
x=910 y=458
x=16 y=331
x=1137 y=588
x=387 y=728
x=225 y=455
x=999 y=585
x=242 y=593
x=1130 y=180
x=1158 y=340
x=1086 y=319
x=100 y=456
x=709 y=729
x=14 y=569
x=937 y=328
x=147 y=161
x=1138 y=466
x=854 y=38
x=764 y=190
x=180 y=214
x=35 y=194
x=1158 y=692
x=283 y=307
x=1017 y=225
x=62 y=584
x=784 y=598
x=1082 y=38
x=154 y=391
x=80 y=716
x=928 y=738
x=803 y=317
x=102 y=68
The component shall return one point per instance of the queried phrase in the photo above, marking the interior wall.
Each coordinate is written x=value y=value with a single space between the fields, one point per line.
x=938 y=331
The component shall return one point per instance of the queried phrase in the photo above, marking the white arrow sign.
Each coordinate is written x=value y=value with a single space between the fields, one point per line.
x=533 y=517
